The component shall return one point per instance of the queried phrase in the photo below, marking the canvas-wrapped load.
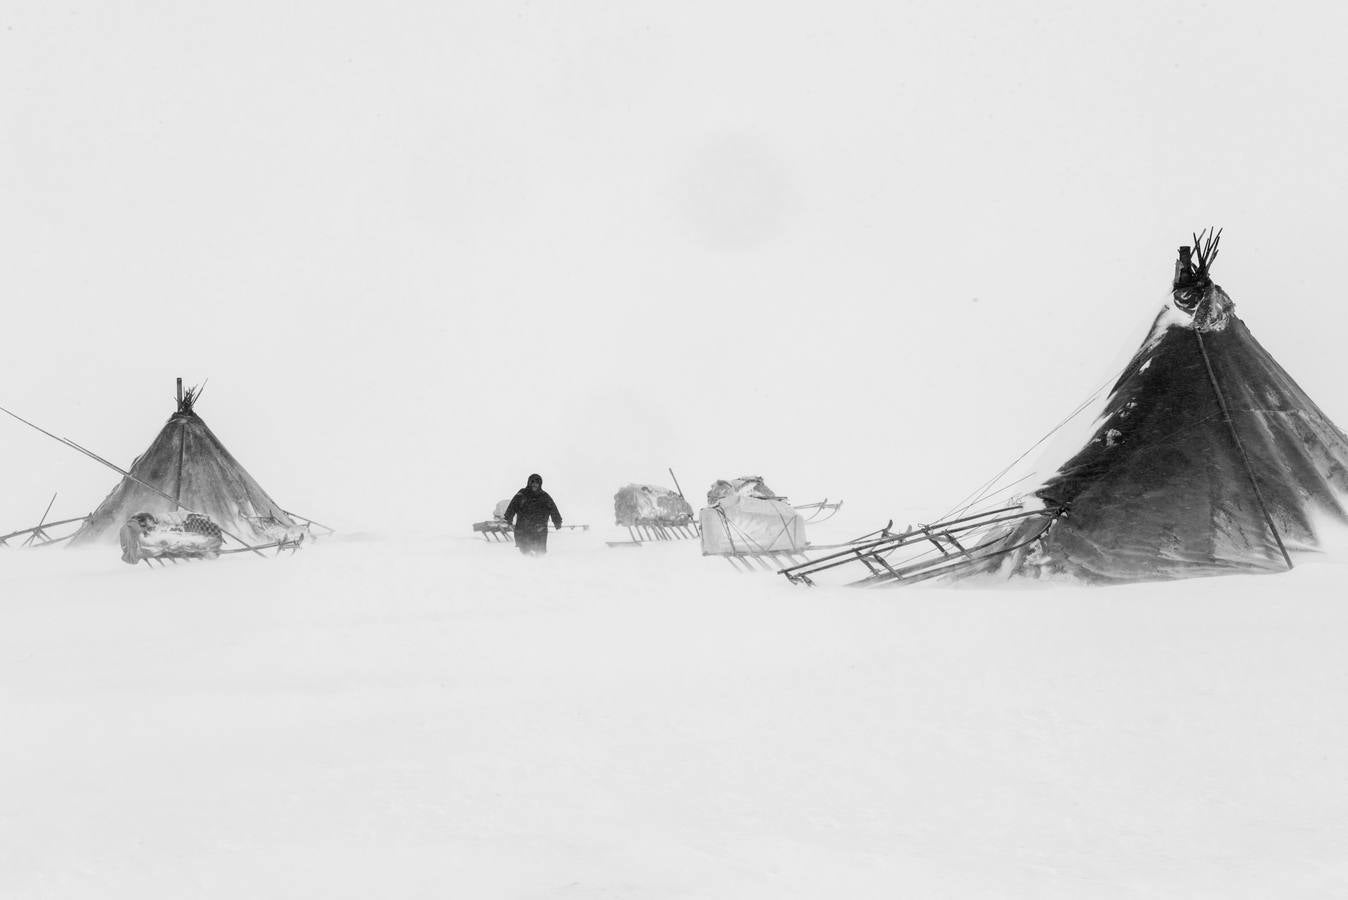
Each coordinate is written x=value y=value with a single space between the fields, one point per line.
x=647 y=504
x=745 y=485
x=500 y=510
x=745 y=516
x=169 y=535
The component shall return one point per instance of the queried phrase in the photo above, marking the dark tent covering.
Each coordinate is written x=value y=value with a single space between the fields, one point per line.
x=188 y=463
x=1208 y=459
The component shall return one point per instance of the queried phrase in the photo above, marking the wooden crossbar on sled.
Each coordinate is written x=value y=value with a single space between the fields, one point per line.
x=962 y=543
x=498 y=531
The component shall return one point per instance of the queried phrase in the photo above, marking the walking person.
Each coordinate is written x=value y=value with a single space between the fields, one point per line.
x=529 y=512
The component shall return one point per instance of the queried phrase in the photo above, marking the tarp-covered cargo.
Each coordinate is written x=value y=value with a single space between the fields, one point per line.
x=648 y=504
x=169 y=536
x=745 y=485
x=744 y=516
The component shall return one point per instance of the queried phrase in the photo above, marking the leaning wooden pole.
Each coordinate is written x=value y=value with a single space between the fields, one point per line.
x=1240 y=447
x=182 y=450
x=676 y=485
x=40 y=522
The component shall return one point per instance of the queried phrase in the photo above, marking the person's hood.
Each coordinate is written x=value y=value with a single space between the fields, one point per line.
x=532 y=478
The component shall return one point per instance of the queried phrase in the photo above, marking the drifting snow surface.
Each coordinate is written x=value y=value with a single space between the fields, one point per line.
x=443 y=718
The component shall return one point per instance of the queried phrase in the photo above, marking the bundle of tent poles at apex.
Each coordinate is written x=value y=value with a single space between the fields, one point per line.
x=185 y=471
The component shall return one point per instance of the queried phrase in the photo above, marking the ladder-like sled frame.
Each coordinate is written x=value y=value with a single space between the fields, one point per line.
x=39 y=536
x=499 y=531
x=280 y=546
x=649 y=530
x=873 y=550
x=763 y=560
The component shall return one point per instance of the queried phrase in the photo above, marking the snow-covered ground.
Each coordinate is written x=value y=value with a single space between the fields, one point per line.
x=442 y=718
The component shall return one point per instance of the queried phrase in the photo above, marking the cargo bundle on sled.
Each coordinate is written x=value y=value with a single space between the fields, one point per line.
x=653 y=513
x=171 y=536
x=750 y=526
x=1206 y=458
x=185 y=497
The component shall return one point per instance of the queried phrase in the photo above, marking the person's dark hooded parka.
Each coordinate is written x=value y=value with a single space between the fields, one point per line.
x=529 y=512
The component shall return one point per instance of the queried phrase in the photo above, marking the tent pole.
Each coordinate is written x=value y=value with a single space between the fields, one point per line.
x=1240 y=447
x=178 y=485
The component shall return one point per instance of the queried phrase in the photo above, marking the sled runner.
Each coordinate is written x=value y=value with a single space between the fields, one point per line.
x=819 y=512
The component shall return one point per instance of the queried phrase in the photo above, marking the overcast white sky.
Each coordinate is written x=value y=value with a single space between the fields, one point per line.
x=869 y=250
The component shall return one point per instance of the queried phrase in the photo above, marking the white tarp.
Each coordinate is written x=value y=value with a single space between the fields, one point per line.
x=745 y=524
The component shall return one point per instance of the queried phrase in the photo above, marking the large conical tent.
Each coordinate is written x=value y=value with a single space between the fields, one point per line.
x=1208 y=458
x=187 y=469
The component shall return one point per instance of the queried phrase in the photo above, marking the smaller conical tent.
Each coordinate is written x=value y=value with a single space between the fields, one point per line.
x=187 y=470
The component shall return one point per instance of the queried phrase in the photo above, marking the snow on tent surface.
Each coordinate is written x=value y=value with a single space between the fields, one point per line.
x=188 y=462
x=1208 y=459
x=745 y=516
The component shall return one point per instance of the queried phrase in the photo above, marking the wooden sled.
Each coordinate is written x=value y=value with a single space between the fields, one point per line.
x=40 y=535
x=499 y=531
x=279 y=546
x=956 y=545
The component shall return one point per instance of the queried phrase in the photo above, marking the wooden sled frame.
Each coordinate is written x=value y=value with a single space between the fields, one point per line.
x=38 y=536
x=651 y=530
x=280 y=547
x=873 y=550
x=498 y=531
x=763 y=560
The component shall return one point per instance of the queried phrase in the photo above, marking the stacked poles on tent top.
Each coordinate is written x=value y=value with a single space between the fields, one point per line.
x=182 y=449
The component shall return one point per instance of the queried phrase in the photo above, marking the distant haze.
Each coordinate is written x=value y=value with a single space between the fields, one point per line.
x=864 y=250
